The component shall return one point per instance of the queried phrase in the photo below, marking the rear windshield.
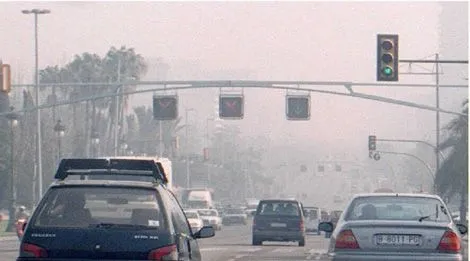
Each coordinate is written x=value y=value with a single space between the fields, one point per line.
x=278 y=208
x=311 y=213
x=233 y=211
x=95 y=206
x=397 y=208
x=207 y=212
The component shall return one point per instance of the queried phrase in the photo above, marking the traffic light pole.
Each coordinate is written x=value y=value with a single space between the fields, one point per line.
x=415 y=141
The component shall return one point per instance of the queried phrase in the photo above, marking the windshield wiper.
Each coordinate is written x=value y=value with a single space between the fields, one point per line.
x=423 y=218
x=113 y=225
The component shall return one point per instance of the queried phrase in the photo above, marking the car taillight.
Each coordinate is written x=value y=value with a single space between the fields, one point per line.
x=164 y=253
x=346 y=239
x=301 y=225
x=30 y=250
x=254 y=222
x=450 y=242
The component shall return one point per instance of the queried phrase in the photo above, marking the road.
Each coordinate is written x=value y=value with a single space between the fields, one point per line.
x=233 y=243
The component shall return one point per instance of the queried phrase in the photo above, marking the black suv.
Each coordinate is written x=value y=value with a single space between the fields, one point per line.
x=110 y=213
x=279 y=220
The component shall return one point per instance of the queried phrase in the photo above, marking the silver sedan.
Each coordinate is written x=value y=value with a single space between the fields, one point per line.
x=399 y=227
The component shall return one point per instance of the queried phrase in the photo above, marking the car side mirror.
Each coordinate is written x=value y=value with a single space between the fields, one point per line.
x=327 y=227
x=205 y=232
x=462 y=229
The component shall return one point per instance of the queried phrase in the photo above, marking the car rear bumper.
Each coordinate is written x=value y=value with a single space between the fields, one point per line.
x=394 y=257
x=278 y=235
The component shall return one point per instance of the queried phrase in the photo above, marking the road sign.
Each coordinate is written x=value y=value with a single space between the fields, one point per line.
x=387 y=57
x=231 y=107
x=165 y=107
x=298 y=107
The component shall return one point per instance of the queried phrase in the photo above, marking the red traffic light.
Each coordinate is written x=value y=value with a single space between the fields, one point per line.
x=165 y=107
x=231 y=107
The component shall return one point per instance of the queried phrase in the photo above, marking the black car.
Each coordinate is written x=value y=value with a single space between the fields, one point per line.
x=278 y=220
x=94 y=218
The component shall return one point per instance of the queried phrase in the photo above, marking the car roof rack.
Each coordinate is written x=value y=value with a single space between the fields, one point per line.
x=111 y=166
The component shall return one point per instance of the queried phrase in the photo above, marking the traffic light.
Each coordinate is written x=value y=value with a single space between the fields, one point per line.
x=387 y=57
x=298 y=107
x=231 y=107
x=165 y=107
x=5 y=78
x=372 y=142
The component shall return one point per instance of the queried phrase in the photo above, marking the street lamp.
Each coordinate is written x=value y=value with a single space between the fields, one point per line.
x=37 y=12
x=95 y=141
x=187 y=110
x=13 y=119
x=59 y=128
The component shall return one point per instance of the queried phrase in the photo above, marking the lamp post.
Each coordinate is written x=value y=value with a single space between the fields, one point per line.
x=59 y=128
x=123 y=147
x=37 y=12
x=95 y=141
x=207 y=151
x=13 y=119
x=187 y=110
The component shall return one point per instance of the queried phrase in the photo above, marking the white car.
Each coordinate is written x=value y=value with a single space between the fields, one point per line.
x=211 y=217
x=194 y=220
x=312 y=219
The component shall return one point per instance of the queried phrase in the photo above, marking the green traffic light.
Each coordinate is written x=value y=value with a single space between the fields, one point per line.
x=387 y=71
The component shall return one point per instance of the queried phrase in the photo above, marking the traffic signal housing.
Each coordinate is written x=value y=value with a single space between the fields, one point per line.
x=5 y=78
x=372 y=143
x=387 y=57
x=165 y=107
x=298 y=107
x=231 y=107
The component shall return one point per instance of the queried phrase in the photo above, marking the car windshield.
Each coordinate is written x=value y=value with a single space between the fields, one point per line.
x=234 y=211
x=276 y=208
x=311 y=213
x=94 y=206
x=207 y=212
x=397 y=208
x=191 y=215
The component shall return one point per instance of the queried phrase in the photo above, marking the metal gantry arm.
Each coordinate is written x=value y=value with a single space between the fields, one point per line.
x=413 y=156
x=416 y=141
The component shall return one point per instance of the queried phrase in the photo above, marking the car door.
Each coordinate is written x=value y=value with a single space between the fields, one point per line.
x=188 y=246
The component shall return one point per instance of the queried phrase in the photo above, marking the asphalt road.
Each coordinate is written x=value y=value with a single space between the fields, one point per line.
x=232 y=243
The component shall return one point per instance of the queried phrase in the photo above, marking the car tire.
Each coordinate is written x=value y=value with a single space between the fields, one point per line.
x=302 y=242
x=256 y=241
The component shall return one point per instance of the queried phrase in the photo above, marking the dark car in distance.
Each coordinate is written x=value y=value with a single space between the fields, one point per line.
x=278 y=220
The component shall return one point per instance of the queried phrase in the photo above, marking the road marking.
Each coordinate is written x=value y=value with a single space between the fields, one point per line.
x=210 y=249
x=283 y=250
x=252 y=249
x=317 y=251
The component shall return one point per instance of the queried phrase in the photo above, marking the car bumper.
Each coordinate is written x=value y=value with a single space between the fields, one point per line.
x=264 y=235
x=394 y=257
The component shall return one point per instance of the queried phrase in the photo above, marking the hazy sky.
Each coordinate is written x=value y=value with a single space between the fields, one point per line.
x=315 y=41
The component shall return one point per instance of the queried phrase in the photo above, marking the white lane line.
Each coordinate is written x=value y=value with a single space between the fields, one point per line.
x=210 y=249
x=252 y=249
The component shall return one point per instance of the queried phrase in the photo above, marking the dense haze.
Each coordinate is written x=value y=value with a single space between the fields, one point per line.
x=315 y=41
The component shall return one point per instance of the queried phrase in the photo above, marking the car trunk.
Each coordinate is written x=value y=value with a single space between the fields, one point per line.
x=397 y=236
x=98 y=243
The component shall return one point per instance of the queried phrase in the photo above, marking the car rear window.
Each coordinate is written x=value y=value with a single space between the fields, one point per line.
x=93 y=205
x=397 y=208
x=191 y=215
x=278 y=208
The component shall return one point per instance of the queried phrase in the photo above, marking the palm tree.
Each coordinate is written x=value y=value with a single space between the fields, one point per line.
x=452 y=176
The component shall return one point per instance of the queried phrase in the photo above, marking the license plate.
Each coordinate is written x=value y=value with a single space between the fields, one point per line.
x=398 y=240
x=278 y=225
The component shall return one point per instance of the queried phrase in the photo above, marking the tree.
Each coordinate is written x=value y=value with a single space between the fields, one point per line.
x=452 y=176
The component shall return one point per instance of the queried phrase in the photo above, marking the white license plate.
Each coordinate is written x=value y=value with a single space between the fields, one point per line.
x=398 y=240
x=278 y=225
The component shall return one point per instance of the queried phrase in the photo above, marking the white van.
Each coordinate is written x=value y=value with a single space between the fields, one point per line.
x=312 y=219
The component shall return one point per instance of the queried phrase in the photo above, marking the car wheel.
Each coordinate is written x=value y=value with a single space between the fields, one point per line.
x=302 y=242
x=256 y=241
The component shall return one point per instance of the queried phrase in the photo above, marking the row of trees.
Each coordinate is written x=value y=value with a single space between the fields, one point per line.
x=98 y=118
